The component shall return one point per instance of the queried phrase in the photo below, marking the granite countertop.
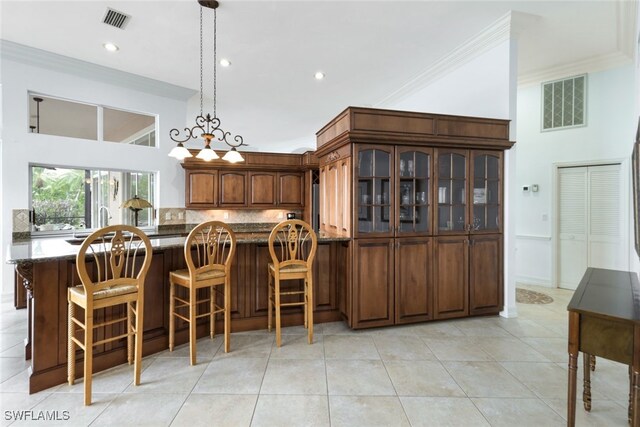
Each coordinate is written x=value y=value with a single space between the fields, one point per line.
x=61 y=248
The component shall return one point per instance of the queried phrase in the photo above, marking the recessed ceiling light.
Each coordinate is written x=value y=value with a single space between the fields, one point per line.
x=225 y=62
x=111 y=47
x=319 y=75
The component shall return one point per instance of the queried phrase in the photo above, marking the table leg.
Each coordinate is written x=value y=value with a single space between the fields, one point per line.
x=630 y=409
x=574 y=341
x=586 y=391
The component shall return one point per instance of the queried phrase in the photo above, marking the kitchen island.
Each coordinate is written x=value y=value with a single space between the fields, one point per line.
x=47 y=267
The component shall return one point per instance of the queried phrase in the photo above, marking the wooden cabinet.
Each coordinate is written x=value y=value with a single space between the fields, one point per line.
x=468 y=275
x=425 y=213
x=264 y=180
x=485 y=274
x=468 y=191
x=233 y=189
x=451 y=277
x=290 y=189
x=413 y=279
x=335 y=197
x=201 y=189
x=262 y=189
x=373 y=279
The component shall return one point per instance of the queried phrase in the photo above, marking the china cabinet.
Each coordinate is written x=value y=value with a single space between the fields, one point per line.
x=425 y=213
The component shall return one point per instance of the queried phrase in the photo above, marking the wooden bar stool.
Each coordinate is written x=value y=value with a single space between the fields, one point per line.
x=292 y=245
x=118 y=257
x=208 y=251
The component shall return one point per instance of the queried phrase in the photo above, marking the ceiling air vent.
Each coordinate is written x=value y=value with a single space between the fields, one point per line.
x=115 y=18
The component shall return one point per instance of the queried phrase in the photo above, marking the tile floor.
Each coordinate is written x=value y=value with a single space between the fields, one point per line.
x=473 y=372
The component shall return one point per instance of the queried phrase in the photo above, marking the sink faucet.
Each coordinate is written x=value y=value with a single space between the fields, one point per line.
x=106 y=223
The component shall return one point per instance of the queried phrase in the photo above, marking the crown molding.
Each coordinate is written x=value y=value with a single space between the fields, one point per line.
x=52 y=61
x=627 y=12
x=486 y=40
x=589 y=65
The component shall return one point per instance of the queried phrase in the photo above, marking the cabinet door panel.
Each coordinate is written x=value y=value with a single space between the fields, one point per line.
x=413 y=284
x=486 y=191
x=290 y=189
x=262 y=189
x=373 y=287
x=485 y=274
x=374 y=187
x=451 y=191
x=451 y=277
x=233 y=189
x=201 y=189
x=413 y=191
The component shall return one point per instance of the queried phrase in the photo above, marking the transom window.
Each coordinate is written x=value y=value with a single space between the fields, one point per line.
x=67 y=199
x=54 y=116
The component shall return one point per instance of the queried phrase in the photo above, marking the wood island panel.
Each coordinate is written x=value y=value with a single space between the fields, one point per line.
x=48 y=307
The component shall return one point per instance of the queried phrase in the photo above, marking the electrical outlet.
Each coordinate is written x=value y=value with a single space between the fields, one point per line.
x=167 y=216
x=180 y=215
x=225 y=215
x=280 y=215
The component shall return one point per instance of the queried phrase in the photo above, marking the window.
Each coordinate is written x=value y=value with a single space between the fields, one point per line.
x=76 y=198
x=564 y=103
x=53 y=116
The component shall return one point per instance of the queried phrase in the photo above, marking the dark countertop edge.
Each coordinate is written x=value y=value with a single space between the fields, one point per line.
x=160 y=231
x=262 y=238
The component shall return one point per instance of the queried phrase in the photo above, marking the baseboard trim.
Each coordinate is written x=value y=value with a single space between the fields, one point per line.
x=532 y=280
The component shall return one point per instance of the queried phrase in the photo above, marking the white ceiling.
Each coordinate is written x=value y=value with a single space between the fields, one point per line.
x=368 y=49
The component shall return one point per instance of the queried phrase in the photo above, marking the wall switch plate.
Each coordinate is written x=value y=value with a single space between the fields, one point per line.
x=225 y=215
x=534 y=188
x=180 y=215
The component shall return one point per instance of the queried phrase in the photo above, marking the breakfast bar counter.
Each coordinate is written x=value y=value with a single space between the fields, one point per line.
x=46 y=267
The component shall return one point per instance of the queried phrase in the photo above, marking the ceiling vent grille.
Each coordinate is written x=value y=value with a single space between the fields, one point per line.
x=115 y=18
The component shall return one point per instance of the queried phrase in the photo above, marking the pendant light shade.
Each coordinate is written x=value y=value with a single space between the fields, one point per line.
x=207 y=154
x=179 y=152
x=233 y=156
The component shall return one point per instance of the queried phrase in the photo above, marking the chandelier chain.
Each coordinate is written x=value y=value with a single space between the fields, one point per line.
x=215 y=62
x=201 y=90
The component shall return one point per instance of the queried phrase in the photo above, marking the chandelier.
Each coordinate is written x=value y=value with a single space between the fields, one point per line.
x=207 y=127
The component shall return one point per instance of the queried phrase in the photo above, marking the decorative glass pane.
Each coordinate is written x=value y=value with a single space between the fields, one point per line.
x=422 y=218
x=459 y=166
x=479 y=218
x=458 y=214
x=492 y=192
x=557 y=104
x=422 y=165
x=567 y=104
x=563 y=103
x=381 y=219
x=547 y=119
x=444 y=166
x=444 y=218
x=365 y=162
x=381 y=167
x=493 y=169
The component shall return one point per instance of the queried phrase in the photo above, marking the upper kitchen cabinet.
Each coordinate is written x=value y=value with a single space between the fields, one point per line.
x=468 y=191
x=412 y=174
x=264 y=180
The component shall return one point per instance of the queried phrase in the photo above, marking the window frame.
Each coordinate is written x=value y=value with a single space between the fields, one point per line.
x=84 y=231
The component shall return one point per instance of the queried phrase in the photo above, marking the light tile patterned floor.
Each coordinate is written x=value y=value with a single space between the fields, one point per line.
x=472 y=372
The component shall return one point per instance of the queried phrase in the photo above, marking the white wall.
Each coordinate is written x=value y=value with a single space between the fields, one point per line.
x=479 y=87
x=609 y=135
x=19 y=148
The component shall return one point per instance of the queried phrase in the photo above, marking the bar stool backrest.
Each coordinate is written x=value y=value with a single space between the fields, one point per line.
x=116 y=253
x=209 y=246
x=292 y=242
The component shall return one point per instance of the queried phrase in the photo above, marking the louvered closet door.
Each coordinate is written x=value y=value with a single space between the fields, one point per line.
x=572 y=227
x=606 y=246
x=590 y=222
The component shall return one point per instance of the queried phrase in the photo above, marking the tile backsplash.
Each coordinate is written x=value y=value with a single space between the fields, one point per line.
x=21 y=221
x=178 y=216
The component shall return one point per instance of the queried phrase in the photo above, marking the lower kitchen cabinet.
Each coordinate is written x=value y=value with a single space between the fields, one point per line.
x=451 y=277
x=413 y=279
x=485 y=274
x=468 y=275
x=373 y=277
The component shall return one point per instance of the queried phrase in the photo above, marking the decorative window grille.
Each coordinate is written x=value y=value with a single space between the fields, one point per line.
x=564 y=103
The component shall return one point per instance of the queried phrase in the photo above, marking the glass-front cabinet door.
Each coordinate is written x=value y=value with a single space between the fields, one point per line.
x=486 y=197
x=451 y=191
x=413 y=178
x=374 y=192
